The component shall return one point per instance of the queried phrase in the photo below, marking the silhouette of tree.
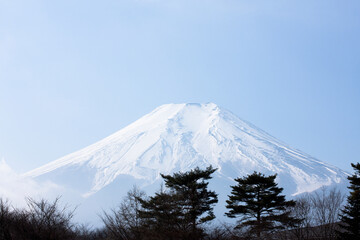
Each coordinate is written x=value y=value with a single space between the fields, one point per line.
x=350 y=215
x=186 y=205
x=6 y=219
x=124 y=221
x=44 y=220
x=256 y=198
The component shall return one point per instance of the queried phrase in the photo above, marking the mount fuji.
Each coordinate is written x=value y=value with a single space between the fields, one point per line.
x=179 y=137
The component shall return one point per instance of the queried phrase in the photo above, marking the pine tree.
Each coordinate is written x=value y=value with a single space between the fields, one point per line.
x=162 y=217
x=187 y=204
x=350 y=216
x=196 y=199
x=257 y=199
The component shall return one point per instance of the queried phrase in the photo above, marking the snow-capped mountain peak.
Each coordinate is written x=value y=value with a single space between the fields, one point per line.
x=179 y=137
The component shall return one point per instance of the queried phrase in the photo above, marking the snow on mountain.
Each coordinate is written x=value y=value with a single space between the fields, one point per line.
x=179 y=137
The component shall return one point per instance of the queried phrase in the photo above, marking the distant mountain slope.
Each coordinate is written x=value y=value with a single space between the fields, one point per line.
x=179 y=137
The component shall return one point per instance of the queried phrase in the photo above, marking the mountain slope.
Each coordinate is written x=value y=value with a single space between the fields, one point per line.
x=179 y=137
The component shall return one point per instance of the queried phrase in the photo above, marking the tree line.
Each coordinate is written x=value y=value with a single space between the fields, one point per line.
x=184 y=210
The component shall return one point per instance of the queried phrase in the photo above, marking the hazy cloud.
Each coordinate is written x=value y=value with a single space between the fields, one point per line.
x=16 y=188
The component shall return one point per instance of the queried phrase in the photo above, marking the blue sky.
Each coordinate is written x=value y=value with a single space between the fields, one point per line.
x=73 y=72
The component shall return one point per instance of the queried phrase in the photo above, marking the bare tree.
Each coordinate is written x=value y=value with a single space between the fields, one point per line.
x=225 y=231
x=302 y=211
x=319 y=214
x=84 y=232
x=44 y=220
x=124 y=222
x=6 y=219
x=326 y=205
